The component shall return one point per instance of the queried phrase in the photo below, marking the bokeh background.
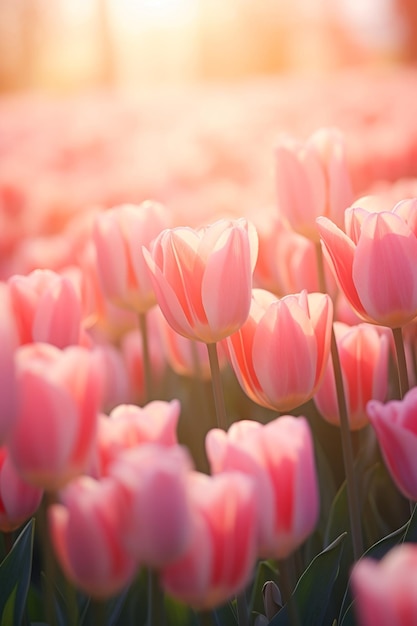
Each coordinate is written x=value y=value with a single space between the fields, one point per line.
x=73 y=44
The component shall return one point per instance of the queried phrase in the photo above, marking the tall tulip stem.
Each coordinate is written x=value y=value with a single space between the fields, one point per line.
x=147 y=370
x=217 y=386
x=156 y=614
x=352 y=492
x=401 y=362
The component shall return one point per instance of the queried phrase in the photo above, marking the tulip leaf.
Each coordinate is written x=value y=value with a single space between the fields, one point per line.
x=312 y=593
x=265 y=572
x=15 y=573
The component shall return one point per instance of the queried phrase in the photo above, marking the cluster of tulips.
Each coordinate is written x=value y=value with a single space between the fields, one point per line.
x=301 y=321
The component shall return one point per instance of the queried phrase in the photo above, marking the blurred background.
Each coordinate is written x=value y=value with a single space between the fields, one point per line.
x=73 y=44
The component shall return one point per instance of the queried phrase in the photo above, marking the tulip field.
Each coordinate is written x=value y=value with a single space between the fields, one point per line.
x=208 y=355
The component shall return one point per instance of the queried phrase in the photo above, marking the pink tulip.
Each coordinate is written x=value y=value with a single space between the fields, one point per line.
x=280 y=353
x=47 y=308
x=280 y=458
x=158 y=514
x=59 y=396
x=374 y=261
x=395 y=425
x=9 y=342
x=129 y=426
x=363 y=354
x=112 y=368
x=312 y=179
x=119 y=235
x=385 y=592
x=86 y=529
x=287 y=260
x=203 y=278
x=222 y=553
x=18 y=499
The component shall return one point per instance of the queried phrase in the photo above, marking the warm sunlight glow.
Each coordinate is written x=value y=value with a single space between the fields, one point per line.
x=148 y=13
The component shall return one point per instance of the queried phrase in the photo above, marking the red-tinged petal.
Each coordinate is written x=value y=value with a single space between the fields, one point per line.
x=340 y=252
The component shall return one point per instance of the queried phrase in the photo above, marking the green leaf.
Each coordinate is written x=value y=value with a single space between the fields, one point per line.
x=313 y=590
x=265 y=572
x=15 y=572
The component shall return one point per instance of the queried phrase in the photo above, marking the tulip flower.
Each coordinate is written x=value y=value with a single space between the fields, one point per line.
x=203 y=278
x=129 y=426
x=374 y=261
x=59 y=395
x=363 y=354
x=86 y=529
x=47 y=308
x=385 y=592
x=221 y=556
x=280 y=353
x=119 y=235
x=279 y=456
x=158 y=513
x=9 y=342
x=18 y=499
x=312 y=179
x=395 y=425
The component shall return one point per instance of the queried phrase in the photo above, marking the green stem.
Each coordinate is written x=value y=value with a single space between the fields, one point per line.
x=242 y=609
x=217 y=386
x=352 y=493
x=286 y=576
x=401 y=362
x=156 y=613
x=147 y=370
x=48 y=559
x=206 y=618
x=320 y=268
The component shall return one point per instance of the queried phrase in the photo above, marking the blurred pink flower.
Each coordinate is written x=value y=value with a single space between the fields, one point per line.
x=54 y=433
x=9 y=341
x=86 y=529
x=119 y=235
x=220 y=559
x=385 y=592
x=18 y=499
x=47 y=308
x=203 y=278
x=129 y=426
x=312 y=179
x=280 y=458
x=395 y=425
x=157 y=529
x=363 y=353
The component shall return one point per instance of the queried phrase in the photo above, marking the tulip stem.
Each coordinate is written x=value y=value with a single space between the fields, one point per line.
x=352 y=492
x=147 y=370
x=156 y=613
x=286 y=575
x=320 y=268
x=242 y=609
x=401 y=362
x=217 y=386
x=48 y=559
x=206 y=618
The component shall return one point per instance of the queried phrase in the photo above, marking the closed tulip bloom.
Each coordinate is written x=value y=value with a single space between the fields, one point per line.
x=158 y=514
x=220 y=559
x=59 y=395
x=86 y=529
x=47 y=308
x=363 y=354
x=280 y=353
x=395 y=425
x=385 y=592
x=279 y=456
x=203 y=278
x=129 y=426
x=312 y=179
x=18 y=499
x=9 y=341
x=374 y=261
x=119 y=235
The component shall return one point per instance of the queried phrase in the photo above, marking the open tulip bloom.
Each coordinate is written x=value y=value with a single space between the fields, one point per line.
x=145 y=514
